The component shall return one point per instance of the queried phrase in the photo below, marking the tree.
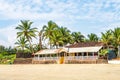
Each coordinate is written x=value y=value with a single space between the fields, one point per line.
x=41 y=37
x=77 y=37
x=49 y=30
x=22 y=43
x=26 y=31
x=2 y=48
x=116 y=36
x=65 y=34
x=106 y=37
x=116 y=39
x=92 y=37
x=56 y=38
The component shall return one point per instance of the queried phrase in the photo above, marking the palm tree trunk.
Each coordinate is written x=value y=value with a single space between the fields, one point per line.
x=40 y=42
x=31 y=47
x=50 y=45
x=118 y=55
x=23 y=49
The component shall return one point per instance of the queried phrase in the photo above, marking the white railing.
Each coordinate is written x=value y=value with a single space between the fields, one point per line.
x=67 y=58
x=46 y=58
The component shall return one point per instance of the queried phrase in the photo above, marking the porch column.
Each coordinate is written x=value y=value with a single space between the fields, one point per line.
x=38 y=57
x=64 y=57
x=50 y=56
x=87 y=55
x=82 y=55
x=45 y=57
x=93 y=55
x=42 y=57
x=73 y=56
x=57 y=55
x=77 y=56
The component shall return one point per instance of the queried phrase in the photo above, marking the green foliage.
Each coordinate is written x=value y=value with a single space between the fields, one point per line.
x=2 y=48
x=7 y=55
x=7 y=59
x=77 y=37
x=92 y=37
x=107 y=37
x=26 y=31
x=103 y=52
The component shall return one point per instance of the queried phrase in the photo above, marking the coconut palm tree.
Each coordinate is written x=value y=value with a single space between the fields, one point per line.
x=65 y=34
x=56 y=38
x=77 y=37
x=21 y=43
x=116 y=36
x=41 y=37
x=26 y=31
x=116 y=39
x=49 y=30
x=107 y=37
x=92 y=37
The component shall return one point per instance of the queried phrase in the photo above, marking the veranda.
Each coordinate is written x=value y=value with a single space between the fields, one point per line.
x=67 y=55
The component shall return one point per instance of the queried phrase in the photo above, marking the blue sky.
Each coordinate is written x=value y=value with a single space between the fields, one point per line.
x=86 y=16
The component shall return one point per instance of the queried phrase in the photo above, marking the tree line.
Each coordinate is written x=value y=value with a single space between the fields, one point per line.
x=59 y=36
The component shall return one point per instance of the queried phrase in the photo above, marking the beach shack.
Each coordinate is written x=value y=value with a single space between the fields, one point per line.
x=79 y=52
x=50 y=55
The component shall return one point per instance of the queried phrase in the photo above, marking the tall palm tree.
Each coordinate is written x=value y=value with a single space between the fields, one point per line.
x=65 y=34
x=49 y=30
x=22 y=43
x=41 y=37
x=92 y=37
x=26 y=31
x=106 y=37
x=57 y=38
x=116 y=39
x=116 y=35
x=77 y=37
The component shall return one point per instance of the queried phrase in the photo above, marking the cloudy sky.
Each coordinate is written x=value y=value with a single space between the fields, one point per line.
x=86 y=16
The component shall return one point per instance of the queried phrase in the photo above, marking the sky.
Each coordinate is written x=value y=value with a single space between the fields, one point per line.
x=86 y=16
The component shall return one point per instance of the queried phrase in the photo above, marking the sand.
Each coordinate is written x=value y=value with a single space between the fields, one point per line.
x=60 y=72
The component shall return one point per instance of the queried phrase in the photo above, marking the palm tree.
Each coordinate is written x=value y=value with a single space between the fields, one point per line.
x=41 y=37
x=92 y=37
x=116 y=39
x=2 y=48
x=106 y=37
x=56 y=38
x=26 y=31
x=22 y=43
x=116 y=36
x=77 y=37
x=65 y=34
x=49 y=30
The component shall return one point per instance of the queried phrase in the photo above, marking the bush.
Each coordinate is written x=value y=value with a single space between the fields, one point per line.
x=7 y=59
x=103 y=52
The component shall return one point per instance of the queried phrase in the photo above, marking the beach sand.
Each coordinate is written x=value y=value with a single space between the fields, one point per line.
x=60 y=72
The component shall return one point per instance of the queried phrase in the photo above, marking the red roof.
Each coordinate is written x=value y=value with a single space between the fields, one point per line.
x=85 y=44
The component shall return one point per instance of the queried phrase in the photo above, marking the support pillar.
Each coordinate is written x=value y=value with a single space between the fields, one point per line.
x=38 y=57
x=82 y=55
x=93 y=55
x=87 y=55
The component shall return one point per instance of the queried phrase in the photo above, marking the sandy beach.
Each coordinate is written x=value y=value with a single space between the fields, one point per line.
x=60 y=72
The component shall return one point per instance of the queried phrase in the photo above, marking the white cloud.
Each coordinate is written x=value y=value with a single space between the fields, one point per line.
x=64 y=13
x=57 y=10
x=10 y=34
